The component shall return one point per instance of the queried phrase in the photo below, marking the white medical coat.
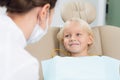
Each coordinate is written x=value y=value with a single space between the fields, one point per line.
x=15 y=62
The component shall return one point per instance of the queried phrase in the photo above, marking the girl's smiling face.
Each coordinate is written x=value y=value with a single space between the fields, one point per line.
x=76 y=39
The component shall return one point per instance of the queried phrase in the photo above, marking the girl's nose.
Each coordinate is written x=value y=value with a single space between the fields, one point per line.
x=73 y=38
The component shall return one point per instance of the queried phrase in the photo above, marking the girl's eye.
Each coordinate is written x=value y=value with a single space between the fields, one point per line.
x=78 y=34
x=67 y=36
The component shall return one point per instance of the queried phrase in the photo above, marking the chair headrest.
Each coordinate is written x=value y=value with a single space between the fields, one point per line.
x=79 y=9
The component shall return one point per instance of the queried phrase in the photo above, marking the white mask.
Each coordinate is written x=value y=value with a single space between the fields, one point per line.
x=37 y=33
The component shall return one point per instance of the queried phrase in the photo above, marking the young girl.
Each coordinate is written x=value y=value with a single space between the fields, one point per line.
x=76 y=37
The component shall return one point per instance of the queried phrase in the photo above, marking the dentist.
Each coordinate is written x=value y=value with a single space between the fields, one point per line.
x=25 y=21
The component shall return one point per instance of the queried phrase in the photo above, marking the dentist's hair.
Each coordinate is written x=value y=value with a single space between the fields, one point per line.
x=22 y=6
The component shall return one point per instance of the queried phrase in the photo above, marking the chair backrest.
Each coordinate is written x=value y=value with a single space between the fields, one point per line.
x=107 y=41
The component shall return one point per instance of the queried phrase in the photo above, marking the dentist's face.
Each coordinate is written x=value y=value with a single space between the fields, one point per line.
x=76 y=39
x=40 y=29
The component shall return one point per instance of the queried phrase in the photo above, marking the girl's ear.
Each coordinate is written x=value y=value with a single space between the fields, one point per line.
x=90 y=41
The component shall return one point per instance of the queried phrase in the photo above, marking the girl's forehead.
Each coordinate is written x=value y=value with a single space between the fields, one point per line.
x=72 y=28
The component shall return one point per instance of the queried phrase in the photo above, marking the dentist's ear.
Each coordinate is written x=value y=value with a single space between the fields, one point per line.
x=43 y=15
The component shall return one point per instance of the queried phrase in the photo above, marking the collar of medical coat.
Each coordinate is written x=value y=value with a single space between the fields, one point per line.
x=16 y=36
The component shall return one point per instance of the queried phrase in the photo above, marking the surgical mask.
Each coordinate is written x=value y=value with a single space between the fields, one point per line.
x=37 y=33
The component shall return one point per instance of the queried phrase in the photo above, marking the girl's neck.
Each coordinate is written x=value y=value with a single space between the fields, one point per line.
x=79 y=55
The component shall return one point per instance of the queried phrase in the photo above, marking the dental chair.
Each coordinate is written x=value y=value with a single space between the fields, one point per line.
x=107 y=38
